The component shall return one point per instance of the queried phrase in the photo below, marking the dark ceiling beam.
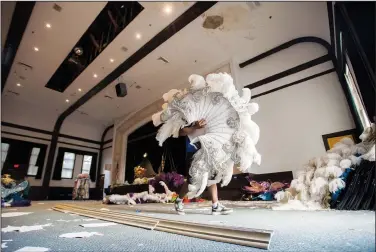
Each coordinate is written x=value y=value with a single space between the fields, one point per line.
x=178 y=24
x=20 y=19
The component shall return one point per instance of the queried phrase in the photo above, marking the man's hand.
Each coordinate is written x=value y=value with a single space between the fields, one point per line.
x=200 y=124
x=189 y=130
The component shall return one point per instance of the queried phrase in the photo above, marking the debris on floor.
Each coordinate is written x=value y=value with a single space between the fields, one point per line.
x=14 y=214
x=105 y=224
x=24 y=228
x=80 y=235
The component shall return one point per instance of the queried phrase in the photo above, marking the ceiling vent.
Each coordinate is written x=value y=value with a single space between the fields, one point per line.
x=13 y=93
x=25 y=65
x=163 y=59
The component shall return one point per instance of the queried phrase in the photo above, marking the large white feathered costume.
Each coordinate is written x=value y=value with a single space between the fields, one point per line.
x=230 y=134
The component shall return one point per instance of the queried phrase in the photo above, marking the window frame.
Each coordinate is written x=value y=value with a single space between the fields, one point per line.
x=61 y=150
x=83 y=161
x=352 y=85
x=36 y=161
x=74 y=164
x=41 y=158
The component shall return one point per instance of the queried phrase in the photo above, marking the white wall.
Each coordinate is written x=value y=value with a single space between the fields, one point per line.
x=293 y=120
x=23 y=113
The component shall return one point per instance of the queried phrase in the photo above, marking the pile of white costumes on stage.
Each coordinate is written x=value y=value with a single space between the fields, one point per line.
x=142 y=197
x=325 y=176
x=230 y=135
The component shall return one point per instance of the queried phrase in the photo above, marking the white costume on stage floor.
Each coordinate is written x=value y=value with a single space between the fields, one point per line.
x=230 y=135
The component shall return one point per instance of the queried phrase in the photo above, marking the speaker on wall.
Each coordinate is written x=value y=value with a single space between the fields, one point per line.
x=121 y=89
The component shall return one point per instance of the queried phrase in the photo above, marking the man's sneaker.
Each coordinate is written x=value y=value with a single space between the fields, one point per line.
x=179 y=207
x=221 y=209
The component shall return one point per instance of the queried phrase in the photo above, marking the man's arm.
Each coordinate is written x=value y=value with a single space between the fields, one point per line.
x=186 y=131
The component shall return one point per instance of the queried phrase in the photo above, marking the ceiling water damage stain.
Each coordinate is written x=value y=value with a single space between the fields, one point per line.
x=231 y=17
x=213 y=22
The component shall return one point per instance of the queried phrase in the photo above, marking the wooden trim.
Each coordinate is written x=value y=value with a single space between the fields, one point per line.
x=12 y=125
x=291 y=71
x=295 y=82
x=22 y=135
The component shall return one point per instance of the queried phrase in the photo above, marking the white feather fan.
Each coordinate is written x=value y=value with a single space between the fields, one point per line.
x=230 y=134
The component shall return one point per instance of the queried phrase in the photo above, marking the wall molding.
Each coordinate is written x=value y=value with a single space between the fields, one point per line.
x=331 y=55
x=46 y=132
x=295 y=82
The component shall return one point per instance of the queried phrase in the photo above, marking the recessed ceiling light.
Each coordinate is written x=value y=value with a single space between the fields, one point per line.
x=138 y=36
x=112 y=60
x=79 y=90
x=48 y=25
x=36 y=49
x=66 y=100
x=95 y=75
x=18 y=85
x=167 y=9
x=122 y=6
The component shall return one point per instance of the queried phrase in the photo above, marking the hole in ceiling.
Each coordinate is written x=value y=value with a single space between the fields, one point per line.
x=270 y=17
x=57 y=8
x=150 y=25
x=213 y=22
x=138 y=87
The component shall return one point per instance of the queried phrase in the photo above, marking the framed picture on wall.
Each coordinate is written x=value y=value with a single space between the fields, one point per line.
x=331 y=139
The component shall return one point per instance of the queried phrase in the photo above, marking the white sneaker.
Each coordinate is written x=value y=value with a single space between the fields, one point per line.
x=221 y=210
x=179 y=207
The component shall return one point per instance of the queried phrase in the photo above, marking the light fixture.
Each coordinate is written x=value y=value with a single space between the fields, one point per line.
x=18 y=85
x=79 y=90
x=48 y=25
x=167 y=9
x=145 y=155
x=36 y=49
x=66 y=100
x=95 y=75
x=122 y=6
x=112 y=60
x=138 y=36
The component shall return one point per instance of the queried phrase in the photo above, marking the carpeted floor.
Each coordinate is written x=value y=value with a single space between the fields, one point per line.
x=293 y=231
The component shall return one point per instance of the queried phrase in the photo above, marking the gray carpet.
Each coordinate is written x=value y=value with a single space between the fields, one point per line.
x=293 y=231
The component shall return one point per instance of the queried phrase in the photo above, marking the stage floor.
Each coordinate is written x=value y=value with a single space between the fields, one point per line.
x=293 y=230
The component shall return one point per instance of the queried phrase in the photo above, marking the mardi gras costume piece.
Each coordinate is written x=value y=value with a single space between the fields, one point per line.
x=230 y=134
x=13 y=194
